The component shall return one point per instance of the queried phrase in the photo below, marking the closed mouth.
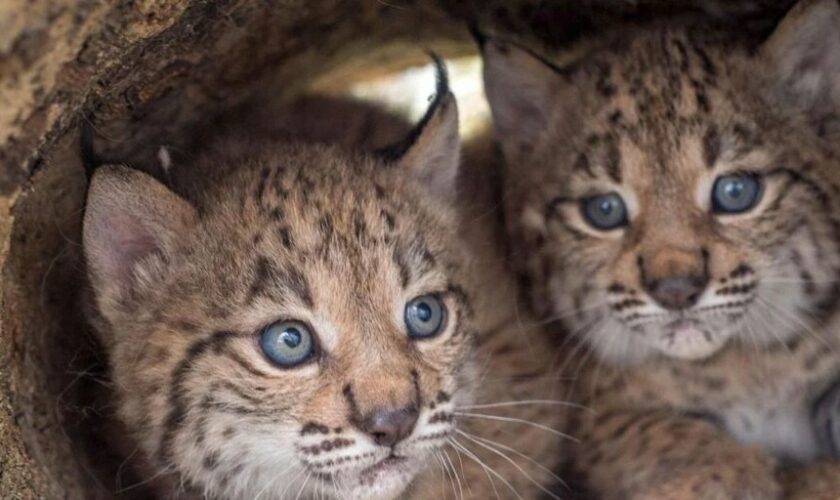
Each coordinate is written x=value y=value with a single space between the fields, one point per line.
x=682 y=324
x=367 y=476
x=388 y=464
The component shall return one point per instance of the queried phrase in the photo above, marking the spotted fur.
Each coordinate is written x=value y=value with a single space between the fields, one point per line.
x=509 y=441
x=707 y=399
x=272 y=230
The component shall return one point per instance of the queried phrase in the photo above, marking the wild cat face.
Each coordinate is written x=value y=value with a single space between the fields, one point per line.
x=306 y=334
x=673 y=189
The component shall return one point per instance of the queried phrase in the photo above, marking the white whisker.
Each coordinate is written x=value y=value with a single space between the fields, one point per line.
x=512 y=462
x=446 y=469
x=518 y=421
x=505 y=404
x=303 y=486
x=454 y=442
x=454 y=473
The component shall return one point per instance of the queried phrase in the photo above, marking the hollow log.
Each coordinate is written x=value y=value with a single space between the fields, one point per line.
x=141 y=73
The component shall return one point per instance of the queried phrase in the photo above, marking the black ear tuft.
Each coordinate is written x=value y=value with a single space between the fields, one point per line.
x=429 y=155
x=394 y=152
x=479 y=36
x=86 y=149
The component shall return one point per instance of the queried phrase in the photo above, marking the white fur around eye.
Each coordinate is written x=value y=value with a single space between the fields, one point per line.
x=703 y=191
x=533 y=219
x=328 y=336
x=630 y=202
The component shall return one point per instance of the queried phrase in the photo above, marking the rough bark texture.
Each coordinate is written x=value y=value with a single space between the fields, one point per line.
x=146 y=72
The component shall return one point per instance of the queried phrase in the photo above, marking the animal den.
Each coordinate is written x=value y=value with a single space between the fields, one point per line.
x=147 y=73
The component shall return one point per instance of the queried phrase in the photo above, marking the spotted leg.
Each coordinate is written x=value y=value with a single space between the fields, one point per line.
x=821 y=480
x=659 y=455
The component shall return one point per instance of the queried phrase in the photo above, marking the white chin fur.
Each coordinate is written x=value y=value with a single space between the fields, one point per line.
x=384 y=489
x=387 y=486
x=691 y=344
x=614 y=343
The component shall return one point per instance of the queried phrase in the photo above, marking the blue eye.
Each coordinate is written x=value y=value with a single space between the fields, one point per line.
x=732 y=194
x=605 y=211
x=287 y=343
x=425 y=316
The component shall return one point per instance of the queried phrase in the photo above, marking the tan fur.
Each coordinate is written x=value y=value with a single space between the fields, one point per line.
x=514 y=365
x=518 y=377
x=331 y=237
x=655 y=114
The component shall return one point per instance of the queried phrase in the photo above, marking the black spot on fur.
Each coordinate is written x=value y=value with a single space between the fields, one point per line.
x=178 y=393
x=399 y=258
x=326 y=226
x=706 y=63
x=359 y=226
x=314 y=428
x=388 y=217
x=604 y=84
x=582 y=164
x=298 y=284
x=703 y=103
x=211 y=460
x=276 y=214
x=379 y=190
x=269 y=280
x=248 y=367
x=285 y=237
x=613 y=162
x=711 y=146
x=185 y=326
x=262 y=184
x=263 y=271
x=741 y=270
x=353 y=408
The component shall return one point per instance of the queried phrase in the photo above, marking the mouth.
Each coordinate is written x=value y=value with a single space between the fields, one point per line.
x=689 y=339
x=388 y=465
x=685 y=326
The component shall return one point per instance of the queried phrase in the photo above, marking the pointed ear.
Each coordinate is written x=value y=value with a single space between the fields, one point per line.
x=522 y=91
x=434 y=157
x=430 y=154
x=129 y=216
x=802 y=62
